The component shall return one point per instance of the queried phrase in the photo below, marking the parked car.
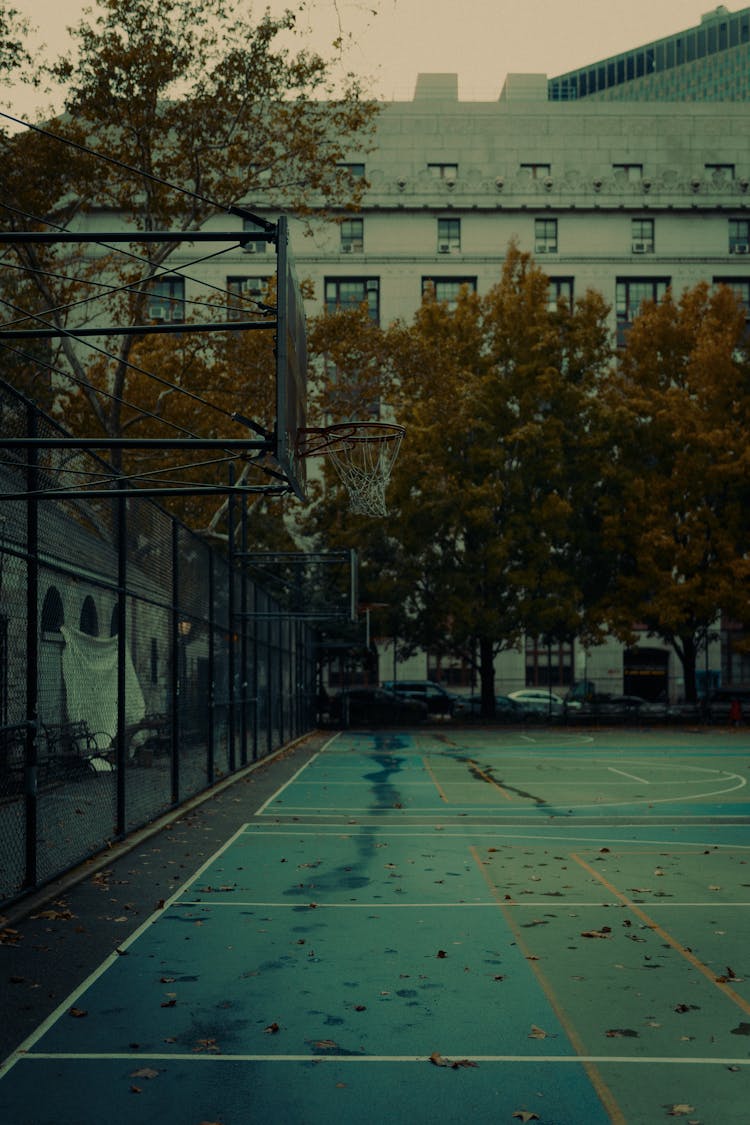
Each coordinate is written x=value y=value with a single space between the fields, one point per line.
x=622 y=707
x=538 y=701
x=506 y=709
x=374 y=705
x=439 y=701
x=719 y=704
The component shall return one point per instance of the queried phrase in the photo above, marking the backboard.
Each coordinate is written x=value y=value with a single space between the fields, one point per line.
x=291 y=364
x=309 y=585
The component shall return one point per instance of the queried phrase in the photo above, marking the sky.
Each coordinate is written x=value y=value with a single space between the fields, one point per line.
x=390 y=42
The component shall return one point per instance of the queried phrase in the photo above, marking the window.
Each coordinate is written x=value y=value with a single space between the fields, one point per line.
x=739 y=236
x=720 y=173
x=351 y=292
x=448 y=235
x=352 y=236
x=560 y=289
x=545 y=236
x=166 y=300
x=244 y=294
x=443 y=171
x=257 y=246
x=740 y=286
x=548 y=665
x=356 y=171
x=89 y=617
x=642 y=236
x=53 y=616
x=537 y=171
x=631 y=172
x=447 y=289
x=154 y=661
x=631 y=292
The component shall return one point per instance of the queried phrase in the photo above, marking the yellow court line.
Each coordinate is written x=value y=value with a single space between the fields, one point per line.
x=603 y=1091
x=488 y=778
x=435 y=781
x=689 y=956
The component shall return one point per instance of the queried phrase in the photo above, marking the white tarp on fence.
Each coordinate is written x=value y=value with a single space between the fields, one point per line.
x=89 y=666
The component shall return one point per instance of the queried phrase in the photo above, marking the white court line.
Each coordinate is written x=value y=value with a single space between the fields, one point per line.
x=293 y=778
x=70 y=1000
x=534 y=1059
x=632 y=776
x=535 y=904
x=517 y=835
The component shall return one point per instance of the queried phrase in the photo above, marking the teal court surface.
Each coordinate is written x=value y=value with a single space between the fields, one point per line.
x=437 y=926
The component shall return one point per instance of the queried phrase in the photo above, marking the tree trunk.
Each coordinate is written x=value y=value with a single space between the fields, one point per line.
x=688 y=654
x=487 y=676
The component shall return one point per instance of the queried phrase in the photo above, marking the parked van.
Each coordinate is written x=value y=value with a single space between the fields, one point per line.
x=438 y=700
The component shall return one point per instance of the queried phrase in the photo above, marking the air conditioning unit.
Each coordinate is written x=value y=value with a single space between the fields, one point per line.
x=358 y=247
x=546 y=248
x=444 y=248
x=346 y=248
x=156 y=310
x=250 y=248
x=740 y=248
x=641 y=247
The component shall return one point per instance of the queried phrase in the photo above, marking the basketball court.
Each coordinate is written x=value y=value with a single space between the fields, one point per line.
x=444 y=925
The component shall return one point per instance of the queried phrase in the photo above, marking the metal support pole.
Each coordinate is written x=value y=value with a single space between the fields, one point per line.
x=243 y=637
x=231 y=672
x=32 y=651
x=175 y=685
x=122 y=648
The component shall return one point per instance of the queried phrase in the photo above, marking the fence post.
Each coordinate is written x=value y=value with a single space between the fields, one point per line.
x=122 y=618
x=231 y=670
x=210 y=764
x=32 y=652
x=243 y=633
x=174 y=665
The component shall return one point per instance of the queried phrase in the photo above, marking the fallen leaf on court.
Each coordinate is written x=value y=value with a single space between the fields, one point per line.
x=458 y=1063
x=526 y=1115
x=621 y=1033
x=441 y=953
x=9 y=936
x=169 y=1003
x=605 y=932
x=145 y=1072
x=437 y=1059
x=537 y=1032
x=54 y=915
x=206 y=1045
x=135 y=1090
x=680 y=1110
x=742 y=1029
x=78 y=1013
x=271 y=1029
x=686 y=1008
x=325 y=1045
x=714 y=888
x=360 y=1007
x=729 y=975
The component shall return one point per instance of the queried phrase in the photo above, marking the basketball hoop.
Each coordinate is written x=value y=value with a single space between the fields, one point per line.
x=363 y=454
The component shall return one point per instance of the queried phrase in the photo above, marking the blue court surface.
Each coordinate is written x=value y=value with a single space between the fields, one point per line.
x=444 y=926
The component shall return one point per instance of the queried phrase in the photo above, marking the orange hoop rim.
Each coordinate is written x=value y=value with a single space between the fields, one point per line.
x=319 y=441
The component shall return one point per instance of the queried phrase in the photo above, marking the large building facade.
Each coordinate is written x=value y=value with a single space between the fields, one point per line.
x=622 y=188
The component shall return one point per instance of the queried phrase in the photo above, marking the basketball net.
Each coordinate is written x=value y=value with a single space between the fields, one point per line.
x=363 y=454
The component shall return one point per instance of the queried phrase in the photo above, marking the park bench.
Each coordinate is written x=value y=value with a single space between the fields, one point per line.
x=149 y=737
x=64 y=752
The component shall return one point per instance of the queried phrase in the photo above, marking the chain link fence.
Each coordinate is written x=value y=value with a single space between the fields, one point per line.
x=138 y=665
